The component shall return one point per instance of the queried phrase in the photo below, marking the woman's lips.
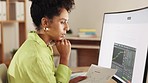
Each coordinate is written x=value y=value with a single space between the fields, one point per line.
x=63 y=36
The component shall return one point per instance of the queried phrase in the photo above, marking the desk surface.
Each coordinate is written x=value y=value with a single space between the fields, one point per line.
x=85 y=69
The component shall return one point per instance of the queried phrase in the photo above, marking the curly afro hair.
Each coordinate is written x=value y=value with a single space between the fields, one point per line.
x=49 y=8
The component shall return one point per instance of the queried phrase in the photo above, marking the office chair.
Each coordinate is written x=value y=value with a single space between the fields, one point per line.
x=3 y=73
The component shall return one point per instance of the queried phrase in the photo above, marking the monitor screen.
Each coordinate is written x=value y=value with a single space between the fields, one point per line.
x=124 y=45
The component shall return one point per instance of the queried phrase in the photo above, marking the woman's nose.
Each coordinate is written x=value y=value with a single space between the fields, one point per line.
x=66 y=26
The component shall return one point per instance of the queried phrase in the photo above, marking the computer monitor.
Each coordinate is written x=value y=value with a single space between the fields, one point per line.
x=124 y=45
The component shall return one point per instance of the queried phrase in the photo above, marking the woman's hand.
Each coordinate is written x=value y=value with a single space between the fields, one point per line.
x=77 y=79
x=64 y=49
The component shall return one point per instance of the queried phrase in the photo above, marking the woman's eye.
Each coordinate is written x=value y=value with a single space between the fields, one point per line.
x=62 y=22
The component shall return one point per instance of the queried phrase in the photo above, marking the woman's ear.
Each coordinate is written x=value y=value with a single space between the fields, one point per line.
x=44 y=22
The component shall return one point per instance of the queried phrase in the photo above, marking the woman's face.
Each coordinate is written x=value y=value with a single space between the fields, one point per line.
x=58 y=26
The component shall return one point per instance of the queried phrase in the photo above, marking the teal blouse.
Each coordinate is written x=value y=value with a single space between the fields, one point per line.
x=33 y=63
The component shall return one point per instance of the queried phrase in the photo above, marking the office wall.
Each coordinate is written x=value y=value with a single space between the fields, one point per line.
x=30 y=25
x=89 y=13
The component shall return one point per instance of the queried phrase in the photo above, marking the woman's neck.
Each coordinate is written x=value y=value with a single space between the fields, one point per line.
x=44 y=37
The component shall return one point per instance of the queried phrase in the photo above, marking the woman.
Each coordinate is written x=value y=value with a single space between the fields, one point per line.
x=33 y=62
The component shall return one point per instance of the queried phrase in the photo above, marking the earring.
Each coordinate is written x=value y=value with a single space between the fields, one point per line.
x=46 y=29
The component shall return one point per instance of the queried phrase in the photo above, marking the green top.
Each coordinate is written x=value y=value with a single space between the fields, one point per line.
x=33 y=63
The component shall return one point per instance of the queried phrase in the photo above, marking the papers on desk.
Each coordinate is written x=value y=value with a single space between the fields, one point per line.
x=98 y=74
